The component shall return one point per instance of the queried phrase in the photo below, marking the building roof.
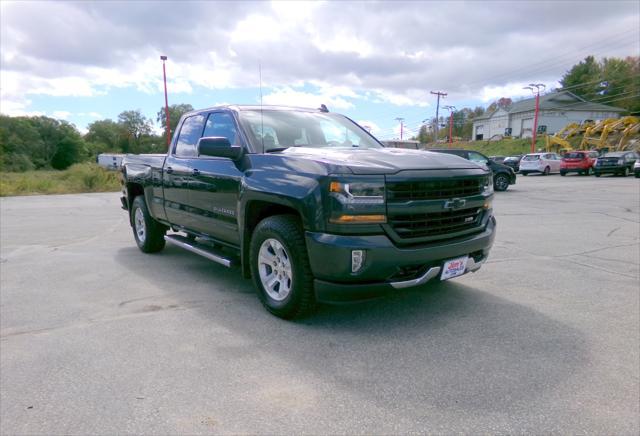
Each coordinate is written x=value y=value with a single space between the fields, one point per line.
x=561 y=100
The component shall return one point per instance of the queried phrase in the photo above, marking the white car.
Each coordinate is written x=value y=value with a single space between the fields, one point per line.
x=544 y=163
x=636 y=169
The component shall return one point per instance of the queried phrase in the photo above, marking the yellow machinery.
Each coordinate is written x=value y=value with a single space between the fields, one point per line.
x=560 y=140
x=608 y=134
x=630 y=138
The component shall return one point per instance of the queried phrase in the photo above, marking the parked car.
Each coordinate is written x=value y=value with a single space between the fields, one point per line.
x=544 y=163
x=616 y=162
x=580 y=161
x=636 y=169
x=513 y=162
x=309 y=205
x=497 y=159
x=503 y=176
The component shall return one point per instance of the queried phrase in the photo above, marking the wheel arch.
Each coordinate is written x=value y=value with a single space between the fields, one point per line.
x=255 y=211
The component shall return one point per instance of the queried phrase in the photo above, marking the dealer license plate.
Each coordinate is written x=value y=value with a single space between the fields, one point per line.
x=454 y=268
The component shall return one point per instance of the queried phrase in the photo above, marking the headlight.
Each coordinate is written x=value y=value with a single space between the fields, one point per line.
x=357 y=192
x=488 y=186
x=357 y=201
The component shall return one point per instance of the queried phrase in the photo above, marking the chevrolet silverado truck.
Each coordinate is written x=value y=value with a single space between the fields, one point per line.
x=309 y=205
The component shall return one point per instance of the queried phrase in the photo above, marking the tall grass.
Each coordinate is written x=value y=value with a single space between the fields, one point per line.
x=82 y=177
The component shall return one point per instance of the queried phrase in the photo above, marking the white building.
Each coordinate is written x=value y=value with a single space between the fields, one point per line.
x=556 y=111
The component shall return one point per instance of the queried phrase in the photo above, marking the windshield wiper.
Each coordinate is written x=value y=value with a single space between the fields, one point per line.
x=275 y=150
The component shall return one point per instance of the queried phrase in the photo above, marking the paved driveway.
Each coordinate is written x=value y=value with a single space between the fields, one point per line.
x=97 y=337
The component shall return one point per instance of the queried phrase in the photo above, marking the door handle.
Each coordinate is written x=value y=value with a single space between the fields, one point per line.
x=196 y=172
x=169 y=170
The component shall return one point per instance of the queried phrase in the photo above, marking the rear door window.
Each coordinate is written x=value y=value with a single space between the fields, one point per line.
x=477 y=157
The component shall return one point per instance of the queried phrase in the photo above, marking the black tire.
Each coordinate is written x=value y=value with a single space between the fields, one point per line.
x=151 y=239
x=564 y=173
x=636 y=174
x=625 y=172
x=524 y=173
x=501 y=182
x=597 y=174
x=587 y=172
x=285 y=229
x=546 y=172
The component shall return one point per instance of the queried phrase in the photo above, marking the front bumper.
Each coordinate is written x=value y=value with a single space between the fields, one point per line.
x=387 y=267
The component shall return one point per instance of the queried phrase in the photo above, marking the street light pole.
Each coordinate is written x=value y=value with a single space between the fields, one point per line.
x=166 y=101
x=451 y=110
x=401 y=120
x=536 y=91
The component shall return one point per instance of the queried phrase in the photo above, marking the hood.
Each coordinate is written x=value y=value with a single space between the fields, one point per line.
x=380 y=160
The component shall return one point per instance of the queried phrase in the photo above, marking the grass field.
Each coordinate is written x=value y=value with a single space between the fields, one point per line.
x=84 y=177
x=503 y=147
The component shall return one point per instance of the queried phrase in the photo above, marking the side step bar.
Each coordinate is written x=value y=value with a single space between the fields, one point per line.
x=200 y=249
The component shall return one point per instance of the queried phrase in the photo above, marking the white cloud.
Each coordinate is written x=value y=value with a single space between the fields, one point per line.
x=288 y=96
x=372 y=127
x=61 y=115
x=513 y=90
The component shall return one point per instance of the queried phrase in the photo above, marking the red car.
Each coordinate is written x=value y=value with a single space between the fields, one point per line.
x=580 y=161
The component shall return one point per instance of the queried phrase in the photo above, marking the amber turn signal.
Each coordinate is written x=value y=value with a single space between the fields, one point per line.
x=359 y=219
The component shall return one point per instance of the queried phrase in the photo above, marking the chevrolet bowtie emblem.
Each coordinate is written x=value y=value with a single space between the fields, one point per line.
x=455 y=203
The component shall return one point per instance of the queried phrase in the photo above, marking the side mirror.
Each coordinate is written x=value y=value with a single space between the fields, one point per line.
x=216 y=146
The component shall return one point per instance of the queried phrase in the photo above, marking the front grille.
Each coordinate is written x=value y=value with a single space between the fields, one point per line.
x=420 y=225
x=434 y=189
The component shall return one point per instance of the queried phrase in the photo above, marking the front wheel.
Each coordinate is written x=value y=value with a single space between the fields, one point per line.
x=148 y=232
x=563 y=173
x=280 y=267
x=546 y=172
x=587 y=172
x=597 y=174
x=625 y=172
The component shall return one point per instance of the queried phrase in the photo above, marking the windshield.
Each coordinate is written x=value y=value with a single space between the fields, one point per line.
x=574 y=156
x=279 y=129
x=613 y=154
x=531 y=157
x=512 y=158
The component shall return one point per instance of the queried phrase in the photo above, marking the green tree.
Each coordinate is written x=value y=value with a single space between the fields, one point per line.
x=136 y=126
x=175 y=112
x=583 y=79
x=105 y=135
x=611 y=81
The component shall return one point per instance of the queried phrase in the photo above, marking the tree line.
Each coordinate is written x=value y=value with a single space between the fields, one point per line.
x=31 y=143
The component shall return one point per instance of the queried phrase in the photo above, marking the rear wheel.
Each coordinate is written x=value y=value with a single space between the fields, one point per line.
x=546 y=172
x=597 y=174
x=280 y=267
x=148 y=233
x=501 y=182
x=625 y=172
x=524 y=173
x=563 y=173
x=587 y=172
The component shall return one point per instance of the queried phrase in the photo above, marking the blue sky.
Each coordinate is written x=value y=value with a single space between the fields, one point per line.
x=373 y=61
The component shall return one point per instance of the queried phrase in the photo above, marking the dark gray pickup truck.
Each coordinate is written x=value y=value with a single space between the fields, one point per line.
x=310 y=205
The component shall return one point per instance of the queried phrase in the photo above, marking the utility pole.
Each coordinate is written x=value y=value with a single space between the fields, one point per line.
x=401 y=120
x=166 y=101
x=536 y=91
x=451 y=111
x=443 y=95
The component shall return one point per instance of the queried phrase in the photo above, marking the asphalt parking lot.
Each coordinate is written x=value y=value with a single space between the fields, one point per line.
x=97 y=337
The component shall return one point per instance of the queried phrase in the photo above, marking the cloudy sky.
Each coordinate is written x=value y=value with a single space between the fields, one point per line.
x=374 y=61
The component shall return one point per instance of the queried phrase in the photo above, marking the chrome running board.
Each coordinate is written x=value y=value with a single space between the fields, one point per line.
x=199 y=249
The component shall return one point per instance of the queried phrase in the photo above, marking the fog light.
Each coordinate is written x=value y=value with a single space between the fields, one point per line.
x=357 y=260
